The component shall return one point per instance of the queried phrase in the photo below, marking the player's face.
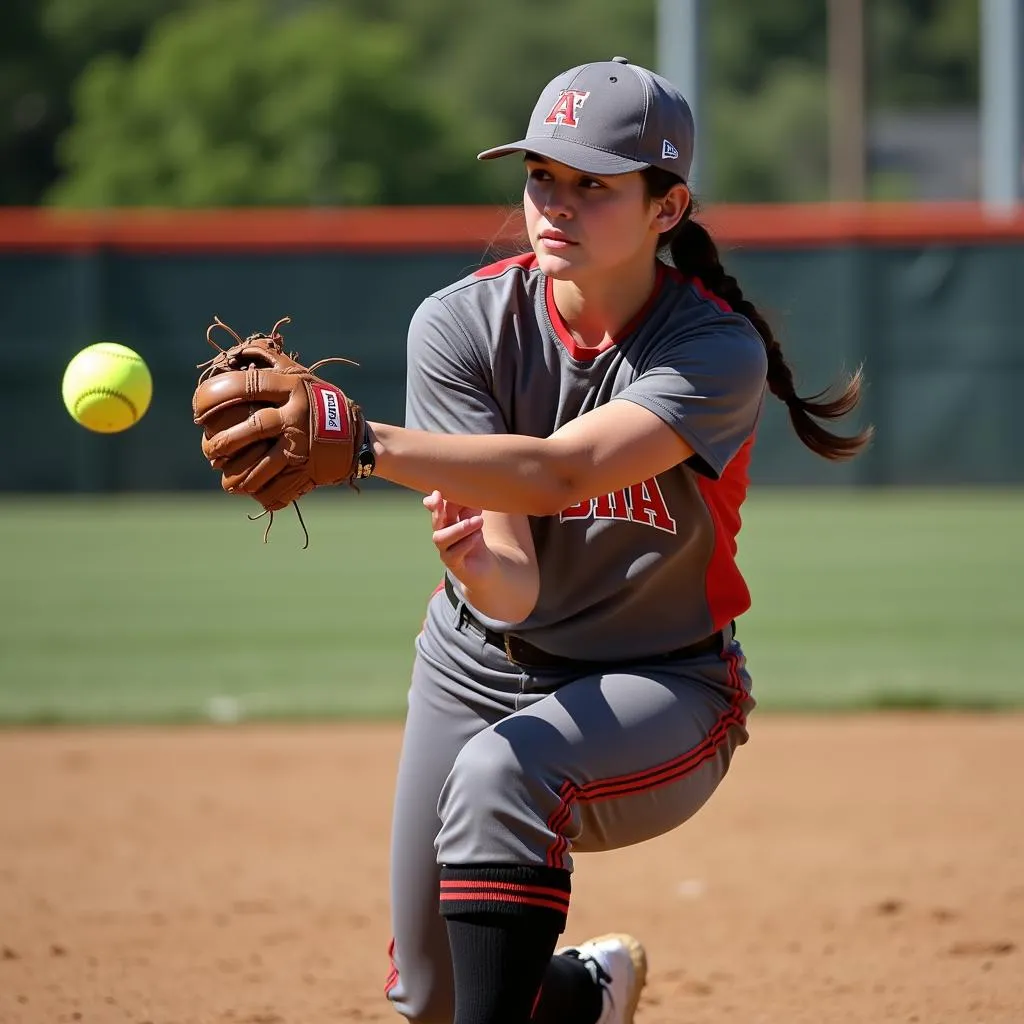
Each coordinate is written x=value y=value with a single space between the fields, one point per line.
x=586 y=225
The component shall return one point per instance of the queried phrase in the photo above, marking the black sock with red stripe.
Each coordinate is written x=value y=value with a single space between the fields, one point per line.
x=503 y=924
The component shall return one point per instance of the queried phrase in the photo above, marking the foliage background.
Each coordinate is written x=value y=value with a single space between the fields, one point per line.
x=251 y=102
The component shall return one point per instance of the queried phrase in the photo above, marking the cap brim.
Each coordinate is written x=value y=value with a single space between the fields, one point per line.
x=572 y=154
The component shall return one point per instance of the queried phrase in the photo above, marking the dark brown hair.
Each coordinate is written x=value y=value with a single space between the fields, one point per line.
x=694 y=254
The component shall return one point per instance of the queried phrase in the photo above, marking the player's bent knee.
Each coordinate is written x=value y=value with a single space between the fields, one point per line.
x=485 y=768
x=487 y=805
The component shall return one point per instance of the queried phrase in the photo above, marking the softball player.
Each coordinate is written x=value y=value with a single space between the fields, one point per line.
x=577 y=684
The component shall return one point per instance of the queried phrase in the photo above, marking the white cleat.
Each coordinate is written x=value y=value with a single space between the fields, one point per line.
x=618 y=964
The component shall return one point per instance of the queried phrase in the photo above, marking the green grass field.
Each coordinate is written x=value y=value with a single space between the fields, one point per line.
x=172 y=609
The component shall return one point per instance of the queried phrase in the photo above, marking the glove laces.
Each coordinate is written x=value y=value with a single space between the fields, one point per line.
x=226 y=359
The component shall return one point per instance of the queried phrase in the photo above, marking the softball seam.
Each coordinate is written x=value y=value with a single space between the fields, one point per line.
x=114 y=354
x=110 y=393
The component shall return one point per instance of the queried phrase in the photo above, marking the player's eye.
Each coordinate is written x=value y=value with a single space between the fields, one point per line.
x=590 y=183
x=539 y=174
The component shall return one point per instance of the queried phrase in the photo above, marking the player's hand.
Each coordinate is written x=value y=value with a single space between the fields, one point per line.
x=491 y=555
x=458 y=536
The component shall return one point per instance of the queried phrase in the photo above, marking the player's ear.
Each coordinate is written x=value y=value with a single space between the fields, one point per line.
x=670 y=208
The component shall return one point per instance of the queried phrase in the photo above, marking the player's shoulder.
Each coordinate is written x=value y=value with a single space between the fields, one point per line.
x=693 y=303
x=696 y=311
x=700 y=325
x=475 y=308
x=491 y=281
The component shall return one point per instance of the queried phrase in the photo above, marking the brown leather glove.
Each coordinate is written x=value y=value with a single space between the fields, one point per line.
x=273 y=428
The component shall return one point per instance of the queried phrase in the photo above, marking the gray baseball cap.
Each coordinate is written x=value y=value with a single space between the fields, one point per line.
x=609 y=117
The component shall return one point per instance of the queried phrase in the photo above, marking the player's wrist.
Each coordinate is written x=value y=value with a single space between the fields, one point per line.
x=366 y=454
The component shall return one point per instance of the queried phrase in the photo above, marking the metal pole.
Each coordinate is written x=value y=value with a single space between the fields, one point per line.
x=846 y=134
x=1002 y=117
x=679 y=59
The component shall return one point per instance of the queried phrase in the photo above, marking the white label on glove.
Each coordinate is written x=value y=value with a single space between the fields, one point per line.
x=332 y=416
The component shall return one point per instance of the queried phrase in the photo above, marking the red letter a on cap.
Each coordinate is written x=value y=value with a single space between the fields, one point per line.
x=566 y=110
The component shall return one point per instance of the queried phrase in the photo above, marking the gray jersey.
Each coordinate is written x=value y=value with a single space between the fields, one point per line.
x=648 y=568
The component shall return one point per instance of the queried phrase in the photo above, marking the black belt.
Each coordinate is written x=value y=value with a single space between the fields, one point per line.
x=520 y=652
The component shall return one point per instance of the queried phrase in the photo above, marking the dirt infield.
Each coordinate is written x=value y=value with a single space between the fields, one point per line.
x=860 y=869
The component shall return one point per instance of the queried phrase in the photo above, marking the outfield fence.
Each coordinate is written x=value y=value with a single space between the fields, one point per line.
x=924 y=296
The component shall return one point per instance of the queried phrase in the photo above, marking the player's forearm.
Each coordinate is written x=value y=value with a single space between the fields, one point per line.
x=508 y=590
x=504 y=472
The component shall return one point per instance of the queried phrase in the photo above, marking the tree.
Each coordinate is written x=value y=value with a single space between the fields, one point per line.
x=923 y=53
x=244 y=102
x=44 y=45
x=768 y=106
x=188 y=102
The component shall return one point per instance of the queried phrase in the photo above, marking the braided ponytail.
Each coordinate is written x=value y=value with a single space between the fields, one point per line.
x=695 y=254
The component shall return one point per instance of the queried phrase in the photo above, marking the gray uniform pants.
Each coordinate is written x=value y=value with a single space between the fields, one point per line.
x=503 y=767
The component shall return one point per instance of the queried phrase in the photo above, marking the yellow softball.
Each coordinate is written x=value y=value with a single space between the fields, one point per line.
x=107 y=387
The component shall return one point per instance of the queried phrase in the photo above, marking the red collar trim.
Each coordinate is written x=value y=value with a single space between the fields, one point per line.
x=581 y=352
